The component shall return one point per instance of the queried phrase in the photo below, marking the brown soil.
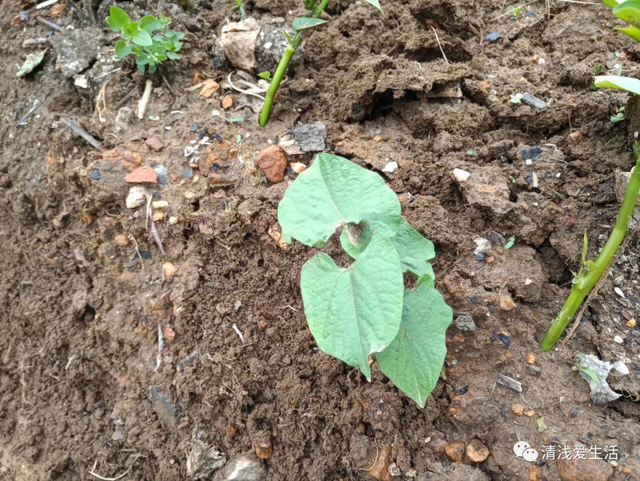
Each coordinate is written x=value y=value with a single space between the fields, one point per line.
x=80 y=311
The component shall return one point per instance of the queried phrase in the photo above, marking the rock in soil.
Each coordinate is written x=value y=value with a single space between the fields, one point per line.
x=155 y=143
x=273 y=163
x=76 y=49
x=311 y=137
x=477 y=452
x=584 y=469
x=244 y=468
x=238 y=41
x=455 y=452
x=142 y=175
x=465 y=323
x=270 y=47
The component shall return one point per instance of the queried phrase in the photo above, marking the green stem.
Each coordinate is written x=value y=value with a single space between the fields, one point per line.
x=282 y=68
x=581 y=289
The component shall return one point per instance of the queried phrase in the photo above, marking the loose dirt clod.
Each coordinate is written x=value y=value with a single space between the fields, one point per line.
x=477 y=452
x=584 y=469
x=142 y=175
x=169 y=270
x=455 y=452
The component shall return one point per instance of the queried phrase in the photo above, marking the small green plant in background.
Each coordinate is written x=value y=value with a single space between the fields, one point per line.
x=148 y=39
x=240 y=7
x=516 y=99
x=515 y=12
x=311 y=20
x=363 y=309
x=619 y=117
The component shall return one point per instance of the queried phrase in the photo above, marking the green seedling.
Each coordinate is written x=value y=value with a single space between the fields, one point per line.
x=363 y=309
x=591 y=271
x=516 y=99
x=619 y=117
x=629 y=11
x=515 y=12
x=311 y=20
x=265 y=75
x=240 y=7
x=148 y=39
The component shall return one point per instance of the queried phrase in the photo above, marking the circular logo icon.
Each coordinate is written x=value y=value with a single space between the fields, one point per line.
x=519 y=447
x=530 y=455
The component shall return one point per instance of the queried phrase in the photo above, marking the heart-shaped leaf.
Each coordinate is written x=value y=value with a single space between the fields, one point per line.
x=334 y=192
x=415 y=357
x=305 y=23
x=117 y=19
x=629 y=11
x=123 y=49
x=355 y=311
x=414 y=250
x=627 y=84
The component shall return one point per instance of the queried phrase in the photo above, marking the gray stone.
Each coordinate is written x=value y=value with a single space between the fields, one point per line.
x=76 y=49
x=123 y=120
x=167 y=412
x=245 y=468
x=271 y=44
x=493 y=37
x=465 y=323
x=310 y=137
x=533 y=101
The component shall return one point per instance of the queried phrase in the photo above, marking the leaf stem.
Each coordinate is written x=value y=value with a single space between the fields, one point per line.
x=580 y=290
x=282 y=68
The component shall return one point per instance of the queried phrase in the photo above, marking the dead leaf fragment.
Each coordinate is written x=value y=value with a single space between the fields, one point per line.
x=209 y=88
x=380 y=468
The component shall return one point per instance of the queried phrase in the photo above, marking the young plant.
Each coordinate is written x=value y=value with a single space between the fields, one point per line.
x=240 y=7
x=591 y=271
x=363 y=309
x=312 y=20
x=629 y=11
x=148 y=39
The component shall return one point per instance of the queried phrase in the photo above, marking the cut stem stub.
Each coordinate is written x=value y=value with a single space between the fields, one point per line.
x=581 y=289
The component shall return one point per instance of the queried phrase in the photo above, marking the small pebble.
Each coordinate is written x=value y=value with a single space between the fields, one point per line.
x=493 y=37
x=95 y=174
x=194 y=128
x=631 y=323
x=187 y=174
x=531 y=359
x=505 y=339
x=518 y=409
x=619 y=292
x=618 y=339
x=480 y=256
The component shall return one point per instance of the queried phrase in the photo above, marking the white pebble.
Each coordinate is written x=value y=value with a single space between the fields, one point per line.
x=390 y=167
x=461 y=175
x=618 y=339
x=621 y=367
x=619 y=292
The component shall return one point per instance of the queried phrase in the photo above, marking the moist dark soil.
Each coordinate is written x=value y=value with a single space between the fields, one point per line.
x=83 y=290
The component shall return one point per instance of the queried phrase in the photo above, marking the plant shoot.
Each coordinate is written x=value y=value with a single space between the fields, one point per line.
x=148 y=40
x=363 y=309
